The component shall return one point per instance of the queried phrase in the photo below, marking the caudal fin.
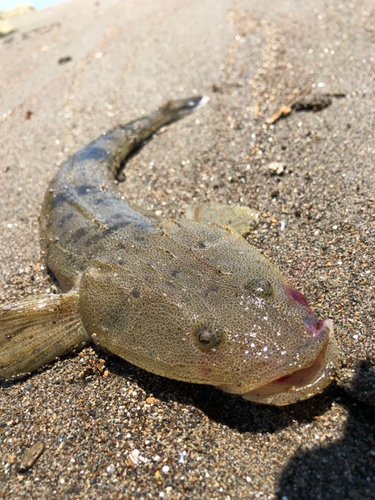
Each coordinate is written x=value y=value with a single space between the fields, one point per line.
x=35 y=330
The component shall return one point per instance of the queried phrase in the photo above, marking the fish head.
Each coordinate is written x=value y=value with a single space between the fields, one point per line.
x=280 y=351
x=257 y=332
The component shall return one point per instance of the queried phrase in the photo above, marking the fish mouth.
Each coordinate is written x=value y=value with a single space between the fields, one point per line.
x=305 y=381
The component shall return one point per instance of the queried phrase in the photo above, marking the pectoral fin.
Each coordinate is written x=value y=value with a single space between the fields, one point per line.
x=240 y=219
x=35 y=330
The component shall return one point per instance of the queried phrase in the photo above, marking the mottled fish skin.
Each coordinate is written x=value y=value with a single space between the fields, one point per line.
x=183 y=299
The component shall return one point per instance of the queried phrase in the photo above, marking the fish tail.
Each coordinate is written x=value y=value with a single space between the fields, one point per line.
x=109 y=151
x=130 y=136
x=173 y=110
x=35 y=330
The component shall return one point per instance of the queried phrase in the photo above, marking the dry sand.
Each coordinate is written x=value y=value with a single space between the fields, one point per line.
x=75 y=70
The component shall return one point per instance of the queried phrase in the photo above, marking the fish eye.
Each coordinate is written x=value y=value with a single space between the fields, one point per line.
x=208 y=335
x=260 y=287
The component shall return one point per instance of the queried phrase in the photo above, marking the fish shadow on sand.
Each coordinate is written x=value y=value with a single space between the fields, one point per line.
x=344 y=469
x=226 y=409
x=325 y=469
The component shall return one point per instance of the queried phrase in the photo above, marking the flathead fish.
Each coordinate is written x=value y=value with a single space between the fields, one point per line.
x=187 y=299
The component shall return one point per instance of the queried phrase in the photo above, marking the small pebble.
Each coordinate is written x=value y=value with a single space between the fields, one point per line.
x=276 y=168
x=30 y=456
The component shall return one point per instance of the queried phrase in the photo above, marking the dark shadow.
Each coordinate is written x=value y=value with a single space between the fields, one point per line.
x=342 y=470
x=230 y=410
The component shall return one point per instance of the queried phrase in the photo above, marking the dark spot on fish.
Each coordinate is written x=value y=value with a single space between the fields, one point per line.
x=64 y=219
x=174 y=273
x=99 y=201
x=119 y=215
x=115 y=227
x=93 y=153
x=211 y=289
x=135 y=294
x=93 y=238
x=201 y=244
x=79 y=233
x=82 y=190
x=58 y=199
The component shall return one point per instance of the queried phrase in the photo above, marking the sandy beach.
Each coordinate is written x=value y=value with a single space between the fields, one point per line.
x=77 y=69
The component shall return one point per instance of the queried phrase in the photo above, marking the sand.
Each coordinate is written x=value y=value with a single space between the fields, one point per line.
x=73 y=71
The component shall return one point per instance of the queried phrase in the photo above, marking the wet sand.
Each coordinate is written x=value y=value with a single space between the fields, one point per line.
x=75 y=70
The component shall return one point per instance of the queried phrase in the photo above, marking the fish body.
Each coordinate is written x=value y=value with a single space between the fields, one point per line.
x=186 y=299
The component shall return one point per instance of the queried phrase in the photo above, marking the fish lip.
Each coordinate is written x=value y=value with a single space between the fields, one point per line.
x=321 y=338
x=310 y=380
x=320 y=343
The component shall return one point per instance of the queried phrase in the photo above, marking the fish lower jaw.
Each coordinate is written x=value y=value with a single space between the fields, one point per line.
x=298 y=385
